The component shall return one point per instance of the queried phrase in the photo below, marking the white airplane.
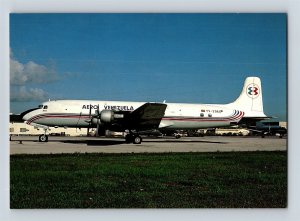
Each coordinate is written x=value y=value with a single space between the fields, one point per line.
x=135 y=117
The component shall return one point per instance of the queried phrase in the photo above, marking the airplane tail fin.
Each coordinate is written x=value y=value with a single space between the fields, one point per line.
x=250 y=100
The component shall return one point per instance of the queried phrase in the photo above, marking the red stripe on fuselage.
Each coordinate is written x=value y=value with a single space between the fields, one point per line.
x=235 y=117
x=38 y=117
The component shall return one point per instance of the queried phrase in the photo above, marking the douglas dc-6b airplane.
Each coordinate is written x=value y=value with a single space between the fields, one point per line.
x=136 y=117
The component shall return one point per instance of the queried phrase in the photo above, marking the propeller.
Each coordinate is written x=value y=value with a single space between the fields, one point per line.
x=90 y=121
x=97 y=116
x=104 y=117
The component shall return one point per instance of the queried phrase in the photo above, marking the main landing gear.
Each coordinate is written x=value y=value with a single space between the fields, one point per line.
x=133 y=138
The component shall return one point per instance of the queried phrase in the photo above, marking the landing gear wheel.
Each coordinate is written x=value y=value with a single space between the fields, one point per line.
x=137 y=139
x=177 y=136
x=43 y=138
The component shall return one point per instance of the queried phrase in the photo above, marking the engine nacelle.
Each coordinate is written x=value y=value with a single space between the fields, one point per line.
x=106 y=116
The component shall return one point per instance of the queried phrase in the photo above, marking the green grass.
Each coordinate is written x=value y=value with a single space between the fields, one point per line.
x=170 y=180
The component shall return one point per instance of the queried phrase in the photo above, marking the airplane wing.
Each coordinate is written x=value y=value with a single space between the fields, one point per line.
x=148 y=116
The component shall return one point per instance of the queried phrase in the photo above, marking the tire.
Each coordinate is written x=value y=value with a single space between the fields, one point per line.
x=137 y=139
x=43 y=138
x=177 y=136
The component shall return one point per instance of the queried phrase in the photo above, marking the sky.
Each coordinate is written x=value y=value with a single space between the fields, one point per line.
x=182 y=58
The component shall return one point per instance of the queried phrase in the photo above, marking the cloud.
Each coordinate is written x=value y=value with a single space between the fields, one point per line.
x=31 y=72
x=24 y=74
x=22 y=94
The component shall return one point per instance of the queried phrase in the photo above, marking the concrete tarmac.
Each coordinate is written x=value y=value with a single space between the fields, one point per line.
x=30 y=145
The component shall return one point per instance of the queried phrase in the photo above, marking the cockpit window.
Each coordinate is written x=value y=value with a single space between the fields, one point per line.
x=45 y=107
x=40 y=106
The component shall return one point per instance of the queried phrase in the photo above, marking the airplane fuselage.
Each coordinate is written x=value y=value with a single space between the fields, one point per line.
x=76 y=113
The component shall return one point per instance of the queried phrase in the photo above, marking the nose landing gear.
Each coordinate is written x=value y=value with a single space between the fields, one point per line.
x=43 y=138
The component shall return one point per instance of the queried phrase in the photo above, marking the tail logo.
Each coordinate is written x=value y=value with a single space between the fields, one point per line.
x=252 y=90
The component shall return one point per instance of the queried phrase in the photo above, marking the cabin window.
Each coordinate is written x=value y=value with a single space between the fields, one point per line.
x=23 y=130
x=40 y=106
x=209 y=115
x=11 y=129
x=45 y=107
x=201 y=115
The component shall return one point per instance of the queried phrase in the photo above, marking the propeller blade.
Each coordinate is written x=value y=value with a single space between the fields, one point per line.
x=98 y=126
x=90 y=113
x=90 y=122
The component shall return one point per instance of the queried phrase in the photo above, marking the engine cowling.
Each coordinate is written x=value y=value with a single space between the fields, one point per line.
x=106 y=116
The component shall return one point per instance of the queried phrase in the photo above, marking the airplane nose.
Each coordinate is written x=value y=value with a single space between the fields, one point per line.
x=27 y=114
x=26 y=117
